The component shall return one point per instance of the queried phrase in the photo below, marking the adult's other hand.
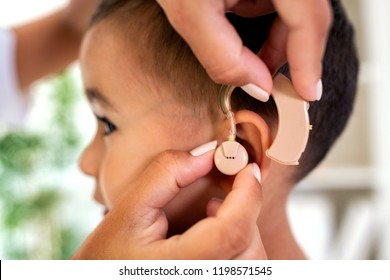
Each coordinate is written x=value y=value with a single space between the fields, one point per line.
x=136 y=226
x=299 y=35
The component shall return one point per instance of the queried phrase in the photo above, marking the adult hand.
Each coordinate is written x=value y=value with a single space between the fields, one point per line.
x=48 y=44
x=298 y=35
x=136 y=227
x=77 y=14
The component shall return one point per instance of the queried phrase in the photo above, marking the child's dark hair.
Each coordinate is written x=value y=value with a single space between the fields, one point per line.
x=340 y=75
x=171 y=61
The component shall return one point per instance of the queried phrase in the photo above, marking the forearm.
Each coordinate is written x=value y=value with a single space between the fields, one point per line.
x=43 y=47
x=49 y=44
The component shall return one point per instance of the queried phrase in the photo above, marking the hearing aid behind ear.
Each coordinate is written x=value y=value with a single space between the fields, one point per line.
x=293 y=125
x=291 y=138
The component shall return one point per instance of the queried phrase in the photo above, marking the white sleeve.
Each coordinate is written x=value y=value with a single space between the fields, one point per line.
x=13 y=102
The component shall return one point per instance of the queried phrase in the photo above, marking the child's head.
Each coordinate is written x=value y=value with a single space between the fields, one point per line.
x=150 y=94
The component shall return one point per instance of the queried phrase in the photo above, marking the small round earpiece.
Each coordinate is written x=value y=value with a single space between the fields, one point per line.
x=230 y=157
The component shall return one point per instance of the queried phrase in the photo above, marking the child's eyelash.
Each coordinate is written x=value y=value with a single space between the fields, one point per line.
x=109 y=127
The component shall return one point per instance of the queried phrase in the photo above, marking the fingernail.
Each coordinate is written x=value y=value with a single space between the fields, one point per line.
x=256 y=172
x=204 y=148
x=319 y=90
x=256 y=92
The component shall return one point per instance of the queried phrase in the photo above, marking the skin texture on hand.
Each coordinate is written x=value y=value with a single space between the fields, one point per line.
x=136 y=226
x=298 y=35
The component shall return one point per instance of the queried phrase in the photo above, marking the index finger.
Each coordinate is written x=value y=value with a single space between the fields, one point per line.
x=216 y=44
x=161 y=182
x=308 y=23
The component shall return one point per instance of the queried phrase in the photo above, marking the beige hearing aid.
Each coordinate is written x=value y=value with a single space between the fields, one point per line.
x=230 y=157
x=291 y=138
x=293 y=125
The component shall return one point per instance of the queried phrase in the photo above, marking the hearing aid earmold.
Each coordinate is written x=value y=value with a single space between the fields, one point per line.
x=230 y=157
x=291 y=137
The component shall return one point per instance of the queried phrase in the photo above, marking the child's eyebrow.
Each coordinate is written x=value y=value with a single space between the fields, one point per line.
x=95 y=95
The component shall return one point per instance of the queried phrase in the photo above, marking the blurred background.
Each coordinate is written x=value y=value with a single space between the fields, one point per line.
x=341 y=211
x=46 y=206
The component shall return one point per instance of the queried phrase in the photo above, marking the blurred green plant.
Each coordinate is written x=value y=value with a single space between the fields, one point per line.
x=32 y=227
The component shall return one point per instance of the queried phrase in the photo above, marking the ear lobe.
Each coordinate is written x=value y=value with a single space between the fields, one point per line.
x=256 y=137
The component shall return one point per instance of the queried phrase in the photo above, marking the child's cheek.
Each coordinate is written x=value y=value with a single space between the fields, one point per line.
x=107 y=184
x=112 y=182
x=105 y=192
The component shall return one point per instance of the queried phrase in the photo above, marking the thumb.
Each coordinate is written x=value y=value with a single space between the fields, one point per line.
x=232 y=232
x=246 y=196
x=161 y=182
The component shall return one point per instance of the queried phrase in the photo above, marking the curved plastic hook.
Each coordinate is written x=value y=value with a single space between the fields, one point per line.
x=293 y=126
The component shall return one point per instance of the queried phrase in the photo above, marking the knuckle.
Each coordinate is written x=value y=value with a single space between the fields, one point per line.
x=177 y=19
x=225 y=73
x=323 y=20
x=227 y=66
x=237 y=238
x=322 y=26
x=167 y=158
x=328 y=14
x=166 y=164
x=180 y=15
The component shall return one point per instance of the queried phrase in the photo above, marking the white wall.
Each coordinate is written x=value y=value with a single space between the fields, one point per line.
x=358 y=168
x=377 y=39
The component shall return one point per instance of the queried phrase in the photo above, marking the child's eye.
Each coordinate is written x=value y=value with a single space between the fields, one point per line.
x=109 y=127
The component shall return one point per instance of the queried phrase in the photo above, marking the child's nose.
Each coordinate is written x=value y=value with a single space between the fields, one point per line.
x=89 y=160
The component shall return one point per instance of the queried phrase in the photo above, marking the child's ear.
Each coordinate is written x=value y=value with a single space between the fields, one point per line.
x=255 y=135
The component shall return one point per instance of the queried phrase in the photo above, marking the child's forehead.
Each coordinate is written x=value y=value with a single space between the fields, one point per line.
x=104 y=44
x=152 y=58
x=113 y=72
x=105 y=32
x=125 y=43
